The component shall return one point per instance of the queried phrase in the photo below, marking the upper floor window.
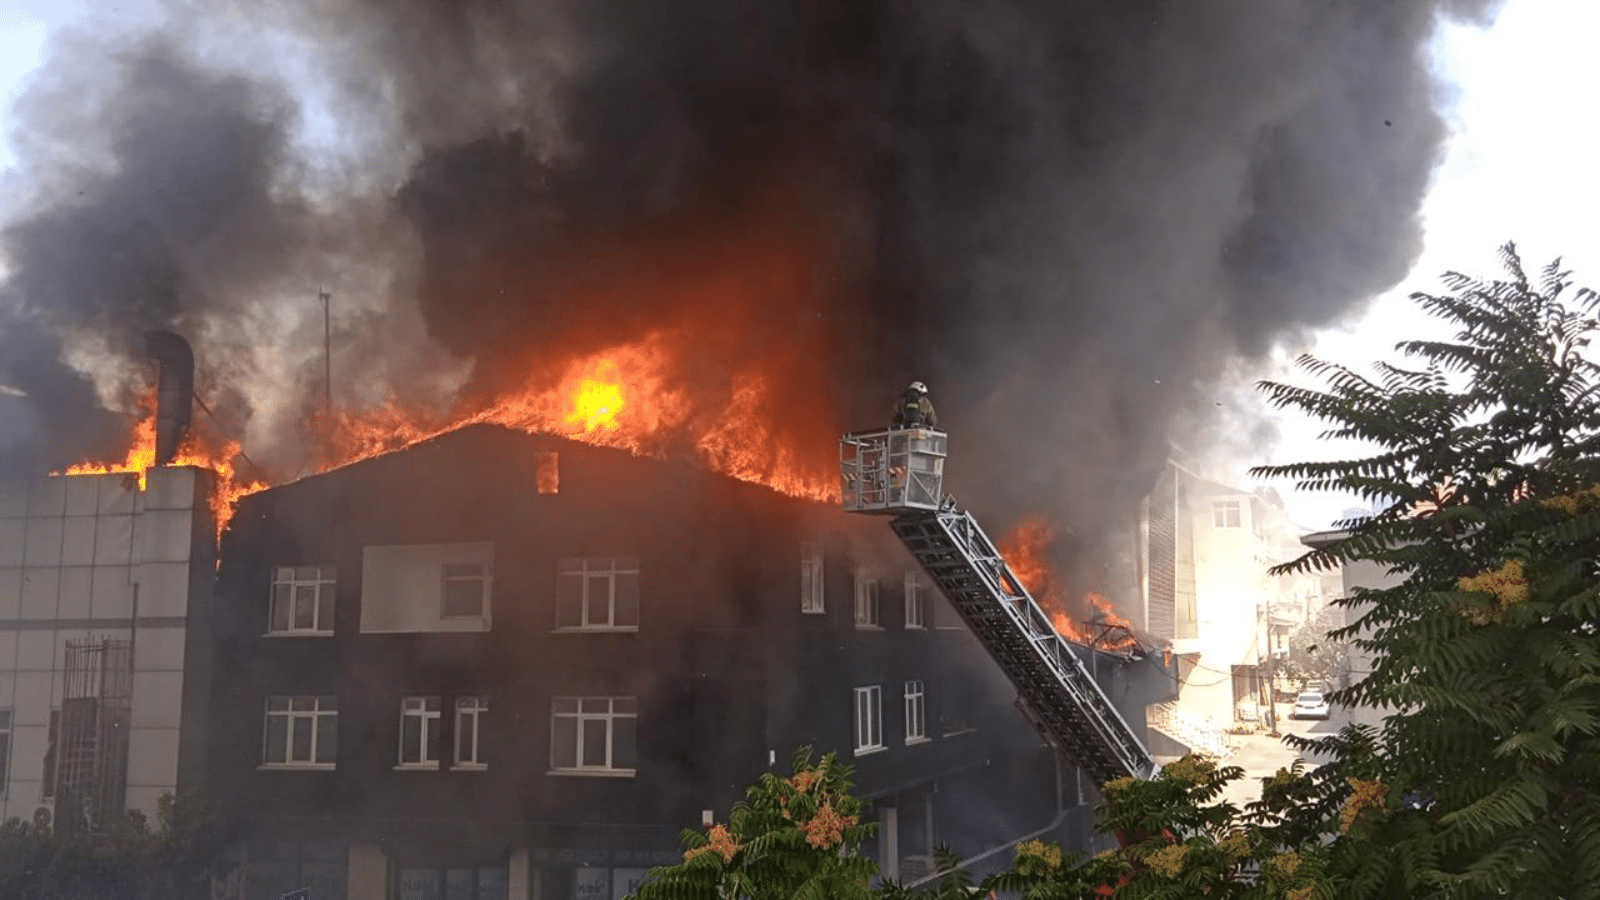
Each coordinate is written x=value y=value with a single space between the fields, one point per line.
x=1225 y=514
x=594 y=735
x=427 y=587
x=869 y=718
x=470 y=712
x=916 y=603
x=598 y=593
x=420 y=723
x=916 y=712
x=811 y=598
x=301 y=732
x=866 y=601
x=302 y=600
x=466 y=590
x=548 y=472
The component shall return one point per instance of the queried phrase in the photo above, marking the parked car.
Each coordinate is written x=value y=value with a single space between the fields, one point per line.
x=1310 y=705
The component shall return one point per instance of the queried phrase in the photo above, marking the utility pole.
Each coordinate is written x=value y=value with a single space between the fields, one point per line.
x=327 y=355
x=1264 y=618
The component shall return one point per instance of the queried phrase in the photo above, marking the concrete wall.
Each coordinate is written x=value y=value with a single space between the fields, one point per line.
x=95 y=557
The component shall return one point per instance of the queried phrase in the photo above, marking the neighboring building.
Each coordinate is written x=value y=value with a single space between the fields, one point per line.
x=1362 y=573
x=103 y=592
x=1206 y=549
x=497 y=666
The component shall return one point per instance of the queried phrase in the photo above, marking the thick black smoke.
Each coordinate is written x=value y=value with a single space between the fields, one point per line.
x=1066 y=215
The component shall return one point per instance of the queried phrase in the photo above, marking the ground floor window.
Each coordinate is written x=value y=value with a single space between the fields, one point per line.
x=451 y=883
x=275 y=868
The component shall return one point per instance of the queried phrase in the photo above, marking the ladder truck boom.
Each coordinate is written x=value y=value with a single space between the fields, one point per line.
x=899 y=473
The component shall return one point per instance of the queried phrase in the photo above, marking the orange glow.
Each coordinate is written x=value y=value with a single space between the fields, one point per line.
x=1026 y=551
x=141 y=457
x=599 y=400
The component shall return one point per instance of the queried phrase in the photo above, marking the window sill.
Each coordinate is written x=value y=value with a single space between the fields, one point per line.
x=813 y=612
x=594 y=773
x=296 y=767
x=868 y=751
x=957 y=733
x=470 y=767
x=595 y=629
x=863 y=627
x=912 y=742
x=417 y=767
x=911 y=627
x=297 y=634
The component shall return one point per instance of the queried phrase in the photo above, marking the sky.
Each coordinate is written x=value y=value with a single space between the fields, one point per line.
x=1519 y=166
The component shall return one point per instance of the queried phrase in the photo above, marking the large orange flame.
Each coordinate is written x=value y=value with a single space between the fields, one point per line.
x=1026 y=550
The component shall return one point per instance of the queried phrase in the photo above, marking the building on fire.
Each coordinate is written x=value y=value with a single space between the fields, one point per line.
x=498 y=666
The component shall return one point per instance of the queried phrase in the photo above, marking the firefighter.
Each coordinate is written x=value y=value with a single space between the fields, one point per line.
x=914 y=409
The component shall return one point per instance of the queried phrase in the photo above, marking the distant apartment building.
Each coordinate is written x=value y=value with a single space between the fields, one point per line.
x=497 y=666
x=1205 y=551
x=1352 y=576
x=101 y=586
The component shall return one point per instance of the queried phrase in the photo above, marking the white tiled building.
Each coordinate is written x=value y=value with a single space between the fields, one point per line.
x=97 y=582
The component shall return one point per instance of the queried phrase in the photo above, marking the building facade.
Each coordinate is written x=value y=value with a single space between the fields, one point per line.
x=497 y=665
x=104 y=589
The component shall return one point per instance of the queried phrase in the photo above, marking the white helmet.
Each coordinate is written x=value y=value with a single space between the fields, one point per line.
x=919 y=387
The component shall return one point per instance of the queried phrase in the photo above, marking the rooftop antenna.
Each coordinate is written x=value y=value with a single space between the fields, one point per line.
x=327 y=355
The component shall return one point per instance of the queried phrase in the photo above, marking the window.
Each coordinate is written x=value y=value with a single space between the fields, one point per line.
x=301 y=731
x=469 y=731
x=1225 y=514
x=598 y=735
x=452 y=883
x=916 y=614
x=5 y=748
x=598 y=593
x=548 y=472
x=466 y=587
x=419 y=732
x=811 y=599
x=866 y=601
x=916 y=712
x=869 y=718
x=302 y=600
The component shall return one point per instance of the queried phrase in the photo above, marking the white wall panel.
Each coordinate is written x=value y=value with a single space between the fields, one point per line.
x=82 y=495
x=113 y=540
x=13 y=499
x=73 y=600
x=39 y=590
x=43 y=542
x=163 y=589
x=402 y=587
x=153 y=757
x=13 y=533
x=47 y=497
x=111 y=595
x=158 y=650
x=77 y=541
x=10 y=593
x=36 y=693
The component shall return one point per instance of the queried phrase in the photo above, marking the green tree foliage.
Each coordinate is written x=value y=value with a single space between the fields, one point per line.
x=797 y=837
x=1488 y=482
x=1314 y=654
x=124 y=860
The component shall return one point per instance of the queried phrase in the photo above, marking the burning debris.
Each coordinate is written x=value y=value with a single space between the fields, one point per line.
x=708 y=229
x=1027 y=550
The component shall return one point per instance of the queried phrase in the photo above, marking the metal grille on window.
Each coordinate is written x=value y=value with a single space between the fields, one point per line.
x=91 y=759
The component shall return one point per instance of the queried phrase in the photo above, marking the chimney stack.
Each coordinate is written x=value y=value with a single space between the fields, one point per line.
x=174 y=391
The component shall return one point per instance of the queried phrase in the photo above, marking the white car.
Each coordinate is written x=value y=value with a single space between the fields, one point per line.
x=1310 y=705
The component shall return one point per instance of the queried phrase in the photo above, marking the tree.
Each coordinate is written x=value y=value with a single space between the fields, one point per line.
x=1488 y=777
x=124 y=860
x=1314 y=653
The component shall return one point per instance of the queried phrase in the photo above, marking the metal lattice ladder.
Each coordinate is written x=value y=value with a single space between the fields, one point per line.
x=1054 y=688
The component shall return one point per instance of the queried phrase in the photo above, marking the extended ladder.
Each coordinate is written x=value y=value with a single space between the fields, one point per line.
x=899 y=473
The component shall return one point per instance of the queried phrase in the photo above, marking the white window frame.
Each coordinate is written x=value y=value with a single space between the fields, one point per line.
x=428 y=711
x=607 y=570
x=813 y=596
x=867 y=608
x=588 y=709
x=869 y=719
x=470 y=713
x=322 y=581
x=915 y=694
x=1222 y=511
x=308 y=708
x=916 y=604
x=483 y=576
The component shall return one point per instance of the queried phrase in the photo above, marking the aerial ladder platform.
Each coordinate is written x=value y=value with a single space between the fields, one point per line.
x=900 y=473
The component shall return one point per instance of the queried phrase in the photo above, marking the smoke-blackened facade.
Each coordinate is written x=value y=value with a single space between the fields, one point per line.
x=498 y=660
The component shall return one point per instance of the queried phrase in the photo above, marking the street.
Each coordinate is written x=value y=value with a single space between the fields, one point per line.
x=1261 y=755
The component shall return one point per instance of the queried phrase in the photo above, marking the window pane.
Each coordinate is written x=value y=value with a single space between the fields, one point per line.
x=300 y=739
x=566 y=704
x=302 y=704
x=277 y=704
x=277 y=739
x=594 y=742
x=305 y=606
x=432 y=726
x=327 y=738
x=419 y=884
x=624 y=705
x=569 y=600
x=458 y=884
x=598 y=611
x=306 y=573
x=328 y=703
x=625 y=743
x=564 y=743
x=463 y=597
x=410 y=739
x=325 y=608
x=464 y=570
x=279 y=620
x=628 y=599
x=466 y=737
x=492 y=883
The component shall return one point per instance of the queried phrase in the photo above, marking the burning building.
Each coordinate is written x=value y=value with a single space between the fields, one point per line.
x=507 y=665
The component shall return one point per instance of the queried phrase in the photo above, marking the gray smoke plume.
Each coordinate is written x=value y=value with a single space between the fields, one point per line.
x=1065 y=215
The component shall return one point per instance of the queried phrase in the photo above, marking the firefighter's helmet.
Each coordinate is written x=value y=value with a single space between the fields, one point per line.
x=919 y=387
